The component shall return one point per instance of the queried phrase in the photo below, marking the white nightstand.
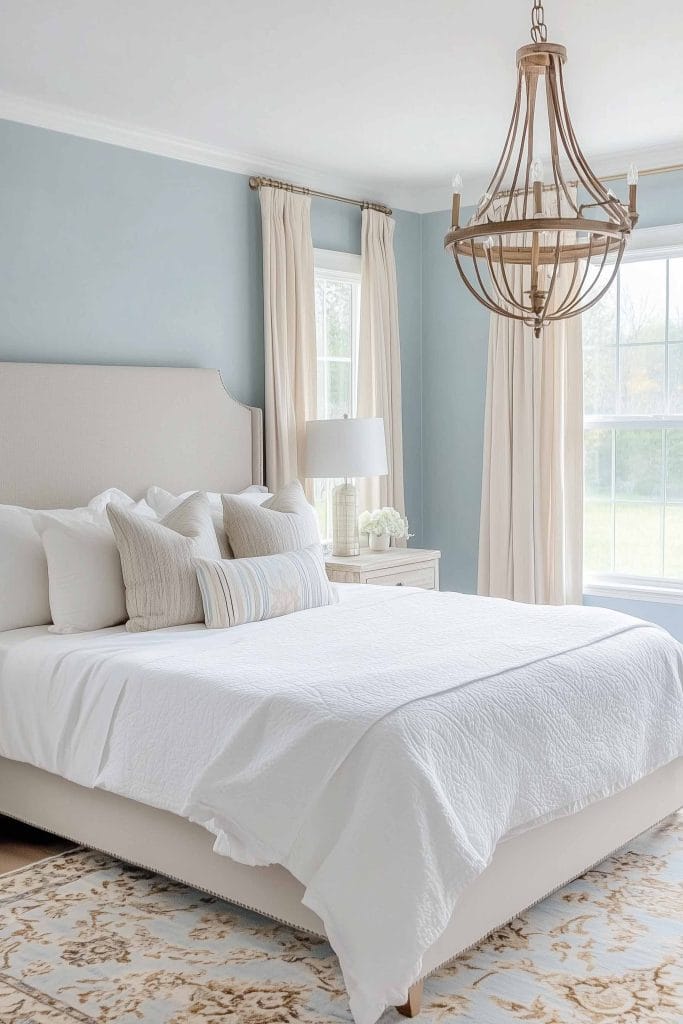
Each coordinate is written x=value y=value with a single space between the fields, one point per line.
x=397 y=567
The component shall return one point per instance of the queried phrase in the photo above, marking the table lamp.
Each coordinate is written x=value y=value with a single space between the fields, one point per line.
x=347 y=448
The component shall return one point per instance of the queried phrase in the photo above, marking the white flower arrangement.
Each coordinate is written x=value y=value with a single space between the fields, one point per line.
x=384 y=521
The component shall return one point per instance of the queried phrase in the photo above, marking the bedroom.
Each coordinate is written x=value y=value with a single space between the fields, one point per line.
x=131 y=238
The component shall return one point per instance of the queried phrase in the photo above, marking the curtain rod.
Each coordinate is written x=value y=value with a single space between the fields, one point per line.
x=256 y=183
x=643 y=174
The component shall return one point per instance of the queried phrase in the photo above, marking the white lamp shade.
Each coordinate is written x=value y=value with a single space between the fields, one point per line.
x=346 y=448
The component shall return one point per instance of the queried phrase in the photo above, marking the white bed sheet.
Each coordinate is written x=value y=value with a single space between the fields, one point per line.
x=379 y=748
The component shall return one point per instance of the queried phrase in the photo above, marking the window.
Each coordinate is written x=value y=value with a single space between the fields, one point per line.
x=633 y=408
x=337 y=322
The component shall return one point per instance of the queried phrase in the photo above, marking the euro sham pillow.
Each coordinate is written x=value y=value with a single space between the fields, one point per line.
x=240 y=590
x=164 y=502
x=24 y=598
x=286 y=522
x=157 y=563
x=24 y=587
x=84 y=574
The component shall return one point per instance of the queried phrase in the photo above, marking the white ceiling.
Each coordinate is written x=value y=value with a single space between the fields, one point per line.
x=384 y=99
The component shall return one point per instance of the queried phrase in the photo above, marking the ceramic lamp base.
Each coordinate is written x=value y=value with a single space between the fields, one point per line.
x=345 y=521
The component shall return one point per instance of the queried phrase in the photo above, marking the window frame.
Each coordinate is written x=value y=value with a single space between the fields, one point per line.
x=658 y=243
x=340 y=266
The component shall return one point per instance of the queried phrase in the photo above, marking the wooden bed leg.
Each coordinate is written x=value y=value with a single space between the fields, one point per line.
x=412 y=1007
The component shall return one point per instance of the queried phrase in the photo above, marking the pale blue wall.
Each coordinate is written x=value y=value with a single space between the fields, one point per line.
x=115 y=256
x=110 y=255
x=454 y=336
x=668 y=615
x=454 y=343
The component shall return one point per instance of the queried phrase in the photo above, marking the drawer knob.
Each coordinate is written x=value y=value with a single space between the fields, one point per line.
x=400 y=584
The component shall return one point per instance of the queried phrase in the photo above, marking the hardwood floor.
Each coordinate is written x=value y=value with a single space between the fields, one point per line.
x=21 y=845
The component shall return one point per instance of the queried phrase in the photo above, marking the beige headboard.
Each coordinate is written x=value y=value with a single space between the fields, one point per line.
x=69 y=432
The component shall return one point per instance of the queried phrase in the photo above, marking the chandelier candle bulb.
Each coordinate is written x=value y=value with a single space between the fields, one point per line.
x=455 y=208
x=536 y=174
x=632 y=180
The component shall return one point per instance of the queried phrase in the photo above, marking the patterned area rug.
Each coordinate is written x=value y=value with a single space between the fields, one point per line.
x=86 y=938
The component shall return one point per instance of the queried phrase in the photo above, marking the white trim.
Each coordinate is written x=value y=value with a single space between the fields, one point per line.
x=627 y=422
x=146 y=140
x=422 y=197
x=343 y=265
x=634 y=588
x=662 y=242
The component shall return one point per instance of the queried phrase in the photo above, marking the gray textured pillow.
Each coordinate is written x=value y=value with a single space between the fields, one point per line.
x=157 y=562
x=286 y=522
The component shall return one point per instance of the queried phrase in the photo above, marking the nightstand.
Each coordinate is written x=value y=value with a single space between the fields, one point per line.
x=397 y=567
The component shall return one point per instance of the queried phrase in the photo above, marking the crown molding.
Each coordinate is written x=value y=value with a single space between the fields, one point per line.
x=419 y=197
x=75 y=122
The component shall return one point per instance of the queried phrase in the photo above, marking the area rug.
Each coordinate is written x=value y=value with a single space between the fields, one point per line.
x=85 y=938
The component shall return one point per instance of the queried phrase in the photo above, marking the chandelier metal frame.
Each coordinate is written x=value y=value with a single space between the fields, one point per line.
x=578 y=223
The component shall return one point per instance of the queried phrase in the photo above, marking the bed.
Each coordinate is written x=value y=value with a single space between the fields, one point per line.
x=601 y=751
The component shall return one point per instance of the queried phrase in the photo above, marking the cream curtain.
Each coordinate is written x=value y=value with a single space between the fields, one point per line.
x=379 y=357
x=531 y=526
x=289 y=322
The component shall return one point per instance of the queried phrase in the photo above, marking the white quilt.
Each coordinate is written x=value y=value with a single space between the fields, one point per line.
x=379 y=748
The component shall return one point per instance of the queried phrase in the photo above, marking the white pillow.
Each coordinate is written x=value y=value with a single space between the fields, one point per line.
x=84 y=573
x=113 y=495
x=163 y=502
x=24 y=593
x=24 y=597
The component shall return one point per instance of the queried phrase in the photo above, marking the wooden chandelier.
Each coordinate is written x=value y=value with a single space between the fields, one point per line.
x=540 y=253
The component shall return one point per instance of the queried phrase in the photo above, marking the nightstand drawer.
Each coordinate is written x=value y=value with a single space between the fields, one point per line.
x=417 y=576
x=398 y=567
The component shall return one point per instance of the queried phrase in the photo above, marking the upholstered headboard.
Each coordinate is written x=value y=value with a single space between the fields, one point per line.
x=68 y=432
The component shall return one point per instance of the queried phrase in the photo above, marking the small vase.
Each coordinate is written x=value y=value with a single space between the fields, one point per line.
x=379 y=542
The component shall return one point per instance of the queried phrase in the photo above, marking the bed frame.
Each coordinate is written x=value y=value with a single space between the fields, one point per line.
x=68 y=432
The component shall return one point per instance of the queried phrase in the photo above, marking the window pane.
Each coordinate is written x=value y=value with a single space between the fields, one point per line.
x=338 y=306
x=339 y=389
x=322 y=405
x=676 y=378
x=638 y=464
x=598 y=463
x=638 y=539
x=599 y=323
x=643 y=301
x=600 y=381
x=673 y=550
x=319 y=316
x=674 y=464
x=597 y=547
x=676 y=299
x=336 y=322
x=642 y=379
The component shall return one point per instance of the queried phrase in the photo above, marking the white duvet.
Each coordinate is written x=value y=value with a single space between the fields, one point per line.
x=379 y=748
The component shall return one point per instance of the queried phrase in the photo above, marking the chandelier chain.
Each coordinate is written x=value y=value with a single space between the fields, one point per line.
x=539 y=29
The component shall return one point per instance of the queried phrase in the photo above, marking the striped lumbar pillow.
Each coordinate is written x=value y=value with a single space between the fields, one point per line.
x=286 y=522
x=252 y=589
x=157 y=562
